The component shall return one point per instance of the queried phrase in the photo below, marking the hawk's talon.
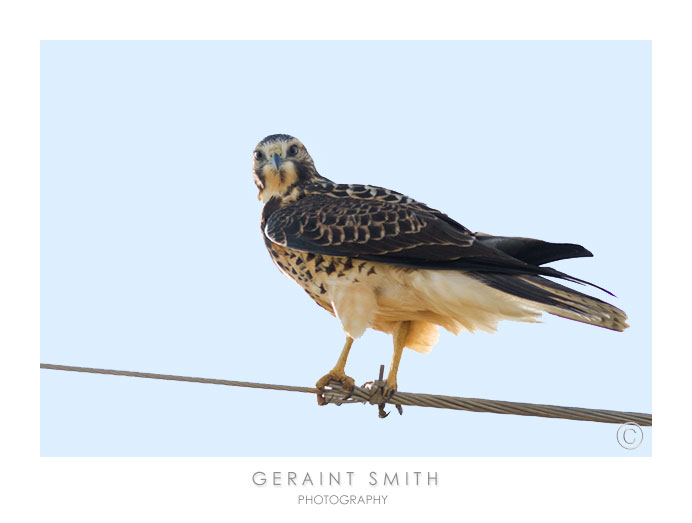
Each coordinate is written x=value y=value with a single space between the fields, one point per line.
x=381 y=412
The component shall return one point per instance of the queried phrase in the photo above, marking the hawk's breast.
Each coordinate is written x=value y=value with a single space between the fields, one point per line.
x=316 y=273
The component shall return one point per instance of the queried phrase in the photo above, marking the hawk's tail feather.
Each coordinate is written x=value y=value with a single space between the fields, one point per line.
x=557 y=299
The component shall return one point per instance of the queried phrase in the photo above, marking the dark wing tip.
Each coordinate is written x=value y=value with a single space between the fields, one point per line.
x=570 y=250
x=535 y=252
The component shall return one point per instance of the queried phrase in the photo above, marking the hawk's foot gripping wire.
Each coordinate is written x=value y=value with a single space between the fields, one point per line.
x=337 y=374
x=346 y=382
x=379 y=394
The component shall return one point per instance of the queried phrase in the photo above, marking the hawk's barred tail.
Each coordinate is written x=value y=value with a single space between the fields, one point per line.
x=557 y=299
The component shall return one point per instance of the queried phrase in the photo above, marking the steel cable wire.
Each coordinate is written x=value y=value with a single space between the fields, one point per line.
x=373 y=394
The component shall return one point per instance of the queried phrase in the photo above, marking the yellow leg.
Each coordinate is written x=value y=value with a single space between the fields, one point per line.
x=399 y=336
x=337 y=373
x=341 y=362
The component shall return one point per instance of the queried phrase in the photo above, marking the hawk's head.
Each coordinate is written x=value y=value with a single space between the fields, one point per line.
x=281 y=164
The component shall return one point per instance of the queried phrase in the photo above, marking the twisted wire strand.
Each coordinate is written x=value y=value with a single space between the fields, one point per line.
x=373 y=395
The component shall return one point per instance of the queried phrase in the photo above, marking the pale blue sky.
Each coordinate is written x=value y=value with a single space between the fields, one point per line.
x=152 y=257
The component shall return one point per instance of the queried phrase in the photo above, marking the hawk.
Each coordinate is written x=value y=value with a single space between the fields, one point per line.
x=375 y=258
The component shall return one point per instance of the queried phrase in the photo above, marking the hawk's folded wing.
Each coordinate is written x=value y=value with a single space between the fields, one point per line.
x=405 y=233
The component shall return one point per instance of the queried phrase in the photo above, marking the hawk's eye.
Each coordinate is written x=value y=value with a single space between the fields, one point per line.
x=293 y=150
x=258 y=155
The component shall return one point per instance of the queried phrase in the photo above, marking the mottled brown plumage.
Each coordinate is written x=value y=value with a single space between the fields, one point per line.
x=377 y=258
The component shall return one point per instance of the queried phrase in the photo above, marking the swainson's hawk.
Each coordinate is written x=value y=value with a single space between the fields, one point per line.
x=379 y=259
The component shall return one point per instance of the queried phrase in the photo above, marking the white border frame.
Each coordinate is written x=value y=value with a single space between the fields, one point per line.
x=470 y=488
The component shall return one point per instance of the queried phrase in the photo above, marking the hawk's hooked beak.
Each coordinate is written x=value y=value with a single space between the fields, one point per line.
x=276 y=161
